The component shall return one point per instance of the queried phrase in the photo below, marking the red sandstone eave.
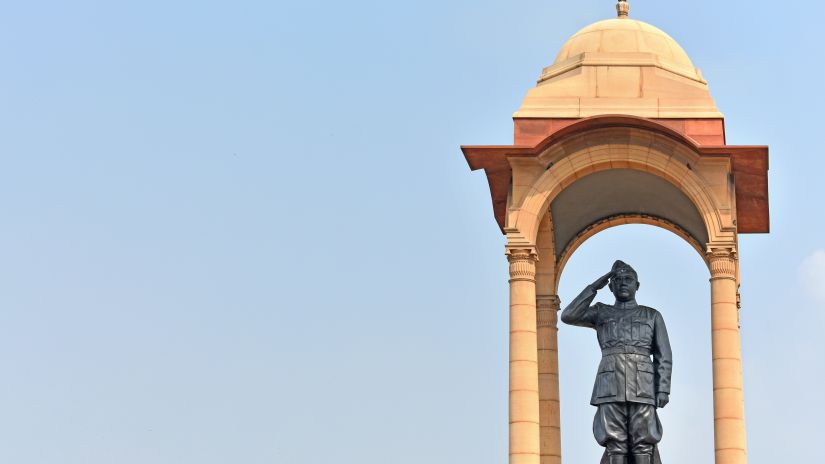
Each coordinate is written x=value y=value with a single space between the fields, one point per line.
x=750 y=177
x=749 y=165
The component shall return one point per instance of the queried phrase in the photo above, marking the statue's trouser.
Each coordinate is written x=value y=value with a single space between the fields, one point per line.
x=627 y=428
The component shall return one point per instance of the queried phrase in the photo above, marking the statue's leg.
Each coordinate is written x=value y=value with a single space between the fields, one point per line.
x=645 y=432
x=617 y=459
x=610 y=430
x=642 y=459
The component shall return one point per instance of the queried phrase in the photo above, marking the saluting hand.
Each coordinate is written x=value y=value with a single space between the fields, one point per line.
x=602 y=281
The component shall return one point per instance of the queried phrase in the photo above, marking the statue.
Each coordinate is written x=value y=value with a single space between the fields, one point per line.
x=629 y=387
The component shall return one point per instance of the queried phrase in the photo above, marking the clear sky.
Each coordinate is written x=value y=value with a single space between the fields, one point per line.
x=243 y=232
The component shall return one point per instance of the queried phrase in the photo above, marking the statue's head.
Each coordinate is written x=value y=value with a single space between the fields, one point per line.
x=624 y=282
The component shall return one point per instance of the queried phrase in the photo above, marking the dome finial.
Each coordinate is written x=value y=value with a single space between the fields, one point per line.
x=623 y=9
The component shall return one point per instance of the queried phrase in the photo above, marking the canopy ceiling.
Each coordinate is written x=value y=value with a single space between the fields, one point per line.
x=617 y=192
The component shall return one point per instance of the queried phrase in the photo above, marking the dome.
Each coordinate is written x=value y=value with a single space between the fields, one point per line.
x=628 y=36
x=620 y=66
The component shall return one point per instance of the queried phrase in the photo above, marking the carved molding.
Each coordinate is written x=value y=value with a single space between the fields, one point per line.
x=547 y=307
x=548 y=302
x=547 y=319
x=722 y=262
x=522 y=264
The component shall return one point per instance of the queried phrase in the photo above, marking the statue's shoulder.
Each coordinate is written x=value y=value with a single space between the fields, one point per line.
x=651 y=312
x=602 y=308
x=601 y=311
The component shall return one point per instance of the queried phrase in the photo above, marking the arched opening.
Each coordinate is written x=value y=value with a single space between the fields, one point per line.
x=674 y=281
x=603 y=195
x=587 y=179
x=590 y=177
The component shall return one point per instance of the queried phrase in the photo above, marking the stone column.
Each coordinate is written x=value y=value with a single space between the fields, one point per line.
x=728 y=400
x=549 y=411
x=524 y=375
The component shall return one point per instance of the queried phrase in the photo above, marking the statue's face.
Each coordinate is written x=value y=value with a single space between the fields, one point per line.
x=624 y=286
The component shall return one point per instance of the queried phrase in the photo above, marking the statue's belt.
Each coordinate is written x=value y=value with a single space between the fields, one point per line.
x=626 y=349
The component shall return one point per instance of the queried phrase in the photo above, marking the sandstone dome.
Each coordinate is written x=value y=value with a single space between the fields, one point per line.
x=620 y=66
x=627 y=36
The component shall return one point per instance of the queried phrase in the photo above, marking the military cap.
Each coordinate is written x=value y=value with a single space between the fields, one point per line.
x=621 y=267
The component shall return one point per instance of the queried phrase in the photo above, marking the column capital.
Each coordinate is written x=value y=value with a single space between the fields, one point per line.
x=548 y=302
x=522 y=264
x=547 y=307
x=522 y=252
x=722 y=261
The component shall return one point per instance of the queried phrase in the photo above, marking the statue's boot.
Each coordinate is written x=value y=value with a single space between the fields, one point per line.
x=617 y=459
x=642 y=459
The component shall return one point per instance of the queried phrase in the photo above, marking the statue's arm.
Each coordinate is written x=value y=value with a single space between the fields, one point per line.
x=579 y=312
x=662 y=356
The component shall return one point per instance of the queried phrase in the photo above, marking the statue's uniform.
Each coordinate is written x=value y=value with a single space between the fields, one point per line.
x=627 y=381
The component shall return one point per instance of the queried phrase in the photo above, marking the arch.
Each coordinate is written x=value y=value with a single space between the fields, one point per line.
x=616 y=221
x=646 y=248
x=615 y=148
x=525 y=183
x=608 y=193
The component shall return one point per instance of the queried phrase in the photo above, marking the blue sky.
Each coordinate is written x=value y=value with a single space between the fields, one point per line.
x=243 y=232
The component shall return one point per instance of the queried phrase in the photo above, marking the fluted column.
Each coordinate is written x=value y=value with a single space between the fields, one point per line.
x=524 y=377
x=728 y=399
x=548 y=356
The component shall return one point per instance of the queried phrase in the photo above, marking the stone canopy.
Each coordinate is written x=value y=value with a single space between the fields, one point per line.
x=627 y=73
x=620 y=129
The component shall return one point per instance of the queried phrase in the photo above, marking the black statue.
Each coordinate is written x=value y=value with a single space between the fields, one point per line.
x=629 y=387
